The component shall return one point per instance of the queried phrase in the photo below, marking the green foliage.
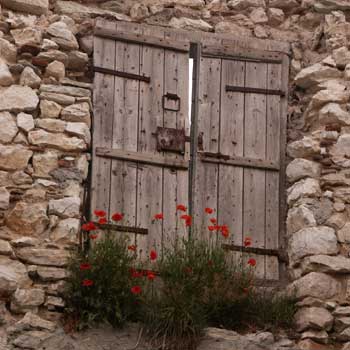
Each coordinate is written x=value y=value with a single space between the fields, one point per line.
x=193 y=279
x=108 y=299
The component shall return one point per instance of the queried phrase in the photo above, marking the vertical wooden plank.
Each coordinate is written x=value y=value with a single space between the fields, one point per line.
x=231 y=143
x=283 y=145
x=254 y=147
x=125 y=127
x=273 y=126
x=104 y=56
x=206 y=180
x=150 y=178
x=175 y=182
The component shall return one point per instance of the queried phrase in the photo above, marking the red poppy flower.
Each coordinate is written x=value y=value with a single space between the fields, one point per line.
x=100 y=213
x=153 y=255
x=132 y=247
x=210 y=262
x=211 y=228
x=159 y=216
x=252 y=262
x=117 y=217
x=209 y=210
x=102 y=221
x=136 y=274
x=247 y=241
x=136 y=290
x=187 y=218
x=87 y=283
x=93 y=236
x=151 y=276
x=213 y=220
x=188 y=270
x=225 y=231
x=85 y=266
x=89 y=226
x=246 y=290
x=181 y=207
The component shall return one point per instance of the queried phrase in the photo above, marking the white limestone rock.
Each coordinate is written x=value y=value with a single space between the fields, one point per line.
x=259 y=16
x=35 y=7
x=342 y=147
x=68 y=207
x=190 y=24
x=275 y=16
x=27 y=36
x=62 y=35
x=332 y=95
x=240 y=5
x=4 y=198
x=50 y=109
x=8 y=51
x=8 y=129
x=25 y=122
x=18 y=98
x=28 y=218
x=315 y=74
x=59 y=141
x=300 y=168
x=304 y=188
x=51 y=274
x=286 y=5
x=341 y=57
x=315 y=284
x=66 y=232
x=6 y=78
x=13 y=275
x=298 y=218
x=334 y=113
x=29 y=78
x=327 y=264
x=56 y=69
x=303 y=148
x=42 y=256
x=14 y=157
x=313 y=317
x=44 y=163
x=25 y=300
x=80 y=130
x=312 y=241
x=52 y=125
x=344 y=233
x=5 y=248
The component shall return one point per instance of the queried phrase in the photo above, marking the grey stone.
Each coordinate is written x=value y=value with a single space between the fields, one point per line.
x=8 y=128
x=300 y=168
x=303 y=188
x=240 y=5
x=29 y=78
x=30 y=339
x=77 y=113
x=325 y=263
x=35 y=7
x=66 y=231
x=333 y=113
x=67 y=207
x=190 y=24
x=6 y=78
x=62 y=36
x=66 y=90
x=25 y=122
x=44 y=163
x=303 y=148
x=315 y=284
x=313 y=318
x=42 y=256
x=5 y=248
x=59 y=141
x=18 y=98
x=25 y=300
x=299 y=218
x=28 y=218
x=49 y=109
x=56 y=69
x=8 y=52
x=51 y=274
x=14 y=157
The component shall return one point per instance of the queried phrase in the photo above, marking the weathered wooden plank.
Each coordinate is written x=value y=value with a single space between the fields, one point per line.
x=150 y=177
x=230 y=39
x=239 y=161
x=208 y=126
x=152 y=41
x=230 y=196
x=143 y=158
x=104 y=55
x=272 y=179
x=255 y=147
x=175 y=184
x=227 y=51
x=282 y=178
x=123 y=173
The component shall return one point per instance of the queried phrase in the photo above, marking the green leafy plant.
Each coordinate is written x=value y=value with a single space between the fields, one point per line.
x=100 y=281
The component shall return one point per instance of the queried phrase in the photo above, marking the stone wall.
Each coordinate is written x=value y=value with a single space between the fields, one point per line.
x=45 y=118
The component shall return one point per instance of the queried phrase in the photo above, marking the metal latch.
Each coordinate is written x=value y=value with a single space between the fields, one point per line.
x=171 y=102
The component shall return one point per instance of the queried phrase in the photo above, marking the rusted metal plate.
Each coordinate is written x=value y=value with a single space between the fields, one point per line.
x=171 y=102
x=171 y=140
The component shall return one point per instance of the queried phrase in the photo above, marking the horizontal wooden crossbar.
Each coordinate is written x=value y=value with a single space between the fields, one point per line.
x=259 y=251
x=153 y=41
x=250 y=90
x=122 y=74
x=245 y=55
x=145 y=158
x=244 y=162
x=120 y=228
